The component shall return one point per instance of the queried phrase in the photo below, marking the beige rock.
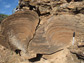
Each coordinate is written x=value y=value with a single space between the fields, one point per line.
x=32 y=20
x=63 y=56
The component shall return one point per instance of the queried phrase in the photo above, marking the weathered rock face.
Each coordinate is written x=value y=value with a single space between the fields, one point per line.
x=63 y=56
x=54 y=6
x=42 y=44
x=58 y=32
x=8 y=56
x=57 y=39
x=18 y=29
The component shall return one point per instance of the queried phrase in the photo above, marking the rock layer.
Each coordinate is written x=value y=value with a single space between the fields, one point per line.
x=58 y=32
x=18 y=29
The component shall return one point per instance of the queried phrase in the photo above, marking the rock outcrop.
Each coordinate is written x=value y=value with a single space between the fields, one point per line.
x=44 y=31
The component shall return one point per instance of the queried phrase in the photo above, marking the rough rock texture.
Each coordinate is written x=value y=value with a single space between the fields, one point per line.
x=63 y=56
x=18 y=29
x=59 y=37
x=57 y=33
x=54 y=6
x=8 y=56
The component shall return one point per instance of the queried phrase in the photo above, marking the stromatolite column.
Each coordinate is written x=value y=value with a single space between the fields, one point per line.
x=18 y=29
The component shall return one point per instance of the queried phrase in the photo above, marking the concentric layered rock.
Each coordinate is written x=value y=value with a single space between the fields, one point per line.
x=57 y=37
x=57 y=33
x=18 y=29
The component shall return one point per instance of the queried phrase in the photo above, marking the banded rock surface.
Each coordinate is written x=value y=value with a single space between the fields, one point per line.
x=18 y=29
x=58 y=32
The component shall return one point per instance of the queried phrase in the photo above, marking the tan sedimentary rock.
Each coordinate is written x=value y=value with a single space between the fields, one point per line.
x=58 y=32
x=56 y=36
x=18 y=29
x=63 y=56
